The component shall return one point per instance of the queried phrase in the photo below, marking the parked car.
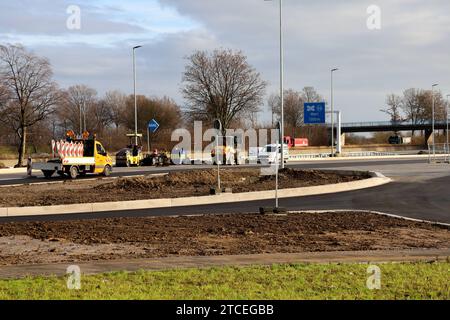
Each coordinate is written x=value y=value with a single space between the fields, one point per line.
x=270 y=152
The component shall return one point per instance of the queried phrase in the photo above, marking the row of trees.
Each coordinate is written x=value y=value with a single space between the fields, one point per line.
x=218 y=85
x=33 y=109
x=415 y=106
x=223 y=86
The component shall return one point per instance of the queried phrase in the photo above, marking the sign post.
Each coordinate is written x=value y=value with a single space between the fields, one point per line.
x=277 y=166
x=338 y=140
x=315 y=113
x=152 y=127
x=218 y=126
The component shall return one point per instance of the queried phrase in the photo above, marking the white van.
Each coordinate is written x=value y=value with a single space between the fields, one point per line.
x=269 y=153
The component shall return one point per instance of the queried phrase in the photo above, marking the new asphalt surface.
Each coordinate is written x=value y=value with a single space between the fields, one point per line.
x=419 y=190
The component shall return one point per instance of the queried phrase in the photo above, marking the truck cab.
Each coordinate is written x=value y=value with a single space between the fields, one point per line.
x=296 y=142
x=102 y=159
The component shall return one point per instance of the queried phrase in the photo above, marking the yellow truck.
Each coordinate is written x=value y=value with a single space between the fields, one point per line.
x=76 y=156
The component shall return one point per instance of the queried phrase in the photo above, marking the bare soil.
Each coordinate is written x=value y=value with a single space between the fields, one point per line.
x=211 y=235
x=173 y=185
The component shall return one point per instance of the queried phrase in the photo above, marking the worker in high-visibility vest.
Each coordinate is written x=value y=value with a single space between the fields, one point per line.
x=229 y=154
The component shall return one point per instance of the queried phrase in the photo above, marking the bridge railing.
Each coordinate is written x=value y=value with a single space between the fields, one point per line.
x=390 y=124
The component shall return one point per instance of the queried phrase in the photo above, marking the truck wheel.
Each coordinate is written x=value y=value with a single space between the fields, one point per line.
x=73 y=172
x=48 y=174
x=107 y=171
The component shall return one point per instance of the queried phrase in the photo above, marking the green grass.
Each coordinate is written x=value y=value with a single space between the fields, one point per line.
x=346 y=281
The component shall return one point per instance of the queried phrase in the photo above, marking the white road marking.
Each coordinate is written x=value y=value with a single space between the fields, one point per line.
x=8 y=179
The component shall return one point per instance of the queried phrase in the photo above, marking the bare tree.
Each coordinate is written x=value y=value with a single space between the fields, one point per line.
x=293 y=109
x=78 y=100
x=394 y=105
x=3 y=95
x=116 y=102
x=221 y=85
x=310 y=94
x=164 y=110
x=411 y=105
x=274 y=106
x=99 y=116
x=32 y=94
x=294 y=106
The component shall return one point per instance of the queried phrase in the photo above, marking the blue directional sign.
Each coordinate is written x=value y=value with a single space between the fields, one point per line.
x=153 y=126
x=315 y=113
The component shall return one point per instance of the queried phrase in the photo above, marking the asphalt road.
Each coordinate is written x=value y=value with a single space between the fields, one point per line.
x=17 y=179
x=420 y=190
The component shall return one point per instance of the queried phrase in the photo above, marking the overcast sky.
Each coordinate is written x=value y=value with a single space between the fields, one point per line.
x=411 y=49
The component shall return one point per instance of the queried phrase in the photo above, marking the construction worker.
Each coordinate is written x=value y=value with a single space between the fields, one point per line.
x=229 y=154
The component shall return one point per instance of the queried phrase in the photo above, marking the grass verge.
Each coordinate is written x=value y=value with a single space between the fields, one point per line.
x=335 y=281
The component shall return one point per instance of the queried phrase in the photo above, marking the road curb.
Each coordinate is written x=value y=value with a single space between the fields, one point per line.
x=16 y=170
x=377 y=179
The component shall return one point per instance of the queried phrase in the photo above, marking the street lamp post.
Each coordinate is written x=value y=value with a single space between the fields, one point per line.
x=84 y=116
x=447 y=133
x=282 y=83
x=81 y=119
x=332 y=112
x=135 y=97
x=433 y=120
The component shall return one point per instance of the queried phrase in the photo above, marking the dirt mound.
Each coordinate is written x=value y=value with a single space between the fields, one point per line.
x=209 y=235
x=229 y=178
x=173 y=185
x=182 y=179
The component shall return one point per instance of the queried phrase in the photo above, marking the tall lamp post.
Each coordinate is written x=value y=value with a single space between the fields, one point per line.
x=135 y=97
x=332 y=111
x=81 y=119
x=446 y=119
x=84 y=116
x=433 y=120
x=281 y=81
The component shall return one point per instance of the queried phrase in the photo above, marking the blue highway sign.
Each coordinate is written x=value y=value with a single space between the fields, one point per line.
x=315 y=113
x=153 y=126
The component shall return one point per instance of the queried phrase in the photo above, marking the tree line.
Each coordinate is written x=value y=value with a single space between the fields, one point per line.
x=416 y=106
x=215 y=85
x=34 y=110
